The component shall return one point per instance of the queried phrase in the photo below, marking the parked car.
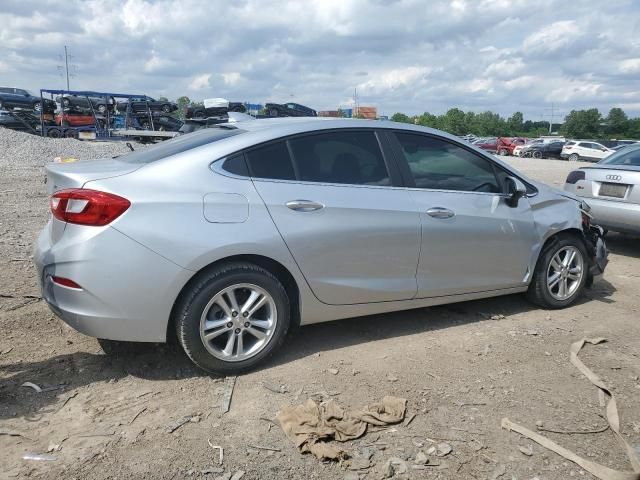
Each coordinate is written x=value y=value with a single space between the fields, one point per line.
x=585 y=151
x=11 y=98
x=74 y=119
x=99 y=104
x=21 y=121
x=506 y=145
x=144 y=104
x=543 y=149
x=488 y=144
x=612 y=189
x=160 y=123
x=275 y=224
x=289 y=110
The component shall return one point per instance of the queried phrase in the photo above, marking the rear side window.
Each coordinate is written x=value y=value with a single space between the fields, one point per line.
x=441 y=165
x=271 y=161
x=236 y=165
x=346 y=157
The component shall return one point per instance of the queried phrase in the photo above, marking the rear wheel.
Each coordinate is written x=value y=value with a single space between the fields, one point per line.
x=37 y=106
x=561 y=273
x=166 y=108
x=102 y=108
x=54 y=133
x=233 y=318
x=574 y=157
x=273 y=112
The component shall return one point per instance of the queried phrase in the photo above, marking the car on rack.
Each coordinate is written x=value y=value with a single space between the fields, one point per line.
x=12 y=98
x=612 y=189
x=22 y=121
x=145 y=104
x=586 y=151
x=79 y=102
x=276 y=223
x=200 y=111
x=70 y=119
x=289 y=110
x=543 y=149
x=159 y=123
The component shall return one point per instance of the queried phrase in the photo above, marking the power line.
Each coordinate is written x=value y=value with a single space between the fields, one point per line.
x=68 y=69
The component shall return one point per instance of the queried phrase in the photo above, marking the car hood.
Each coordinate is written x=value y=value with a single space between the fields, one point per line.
x=598 y=166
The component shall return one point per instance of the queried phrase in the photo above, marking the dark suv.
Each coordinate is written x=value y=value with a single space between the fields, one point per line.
x=11 y=98
x=289 y=110
x=140 y=104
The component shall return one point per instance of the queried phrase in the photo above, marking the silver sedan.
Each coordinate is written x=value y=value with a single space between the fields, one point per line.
x=612 y=188
x=226 y=238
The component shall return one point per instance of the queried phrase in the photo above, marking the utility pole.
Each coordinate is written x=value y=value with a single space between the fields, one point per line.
x=68 y=69
x=66 y=65
x=552 y=115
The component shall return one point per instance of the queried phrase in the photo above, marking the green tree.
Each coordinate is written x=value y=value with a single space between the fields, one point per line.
x=617 y=123
x=582 y=124
x=515 y=124
x=182 y=102
x=454 y=122
x=428 y=120
x=401 y=117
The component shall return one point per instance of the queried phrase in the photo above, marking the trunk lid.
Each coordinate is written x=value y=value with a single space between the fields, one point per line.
x=76 y=174
x=620 y=183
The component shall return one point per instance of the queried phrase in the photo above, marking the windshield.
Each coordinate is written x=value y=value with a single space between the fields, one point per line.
x=179 y=144
x=627 y=156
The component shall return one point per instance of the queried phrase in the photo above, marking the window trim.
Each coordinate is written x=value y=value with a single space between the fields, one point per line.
x=387 y=157
x=409 y=182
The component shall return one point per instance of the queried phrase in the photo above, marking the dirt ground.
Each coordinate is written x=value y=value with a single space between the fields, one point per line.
x=462 y=368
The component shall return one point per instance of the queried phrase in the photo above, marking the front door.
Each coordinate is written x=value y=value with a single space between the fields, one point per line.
x=355 y=237
x=472 y=241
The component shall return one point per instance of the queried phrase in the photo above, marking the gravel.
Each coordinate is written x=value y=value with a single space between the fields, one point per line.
x=24 y=149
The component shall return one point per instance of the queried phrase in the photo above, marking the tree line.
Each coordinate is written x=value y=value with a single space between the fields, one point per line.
x=588 y=123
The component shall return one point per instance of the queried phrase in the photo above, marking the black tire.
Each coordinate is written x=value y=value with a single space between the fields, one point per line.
x=54 y=133
x=66 y=103
x=574 y=157
x=539 y=293
x=198 y=295
x=37 y=106
x=537 y=154
x=166 y=108
x=503 y=152
x=102 y=108
x=273 y=112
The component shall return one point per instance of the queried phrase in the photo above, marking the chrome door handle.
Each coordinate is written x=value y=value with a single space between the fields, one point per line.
x=304 y=205
x=440 y=212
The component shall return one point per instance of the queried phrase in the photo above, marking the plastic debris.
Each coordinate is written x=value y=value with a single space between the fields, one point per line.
x=39 y=457
x=220 y=449
x=32 y=385
x=229 y=384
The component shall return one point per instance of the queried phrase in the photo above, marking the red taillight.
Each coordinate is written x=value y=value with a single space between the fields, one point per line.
x=575 y=176
x=65 y=282
x=87 y=207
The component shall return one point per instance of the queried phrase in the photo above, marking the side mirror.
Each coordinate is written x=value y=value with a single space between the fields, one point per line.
x=515 y=191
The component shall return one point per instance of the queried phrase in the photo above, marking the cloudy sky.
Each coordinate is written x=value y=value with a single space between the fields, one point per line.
x=401 y=55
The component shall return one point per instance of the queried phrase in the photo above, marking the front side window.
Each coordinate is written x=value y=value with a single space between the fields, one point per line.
x=346 y=157
x=440 y=165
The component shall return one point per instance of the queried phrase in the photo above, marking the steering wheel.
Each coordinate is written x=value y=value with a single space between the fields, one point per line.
x=478 y=187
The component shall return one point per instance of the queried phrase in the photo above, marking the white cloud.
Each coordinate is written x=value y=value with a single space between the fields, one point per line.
x=505 y=68
x=231 y=78
x=574 y=90
x=630 y=65
x=555 y=36
x=393 y=79
x=200 y=82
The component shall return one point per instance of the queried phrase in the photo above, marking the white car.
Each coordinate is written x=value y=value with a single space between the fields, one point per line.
x=518 y=149
x=587 y=151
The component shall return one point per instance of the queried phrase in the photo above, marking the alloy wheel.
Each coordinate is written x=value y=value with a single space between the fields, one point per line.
x=238 y=322
x=565 y=272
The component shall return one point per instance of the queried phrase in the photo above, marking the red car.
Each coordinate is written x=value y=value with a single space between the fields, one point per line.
x=488 y=144
x=75 y=119
x=505 y=145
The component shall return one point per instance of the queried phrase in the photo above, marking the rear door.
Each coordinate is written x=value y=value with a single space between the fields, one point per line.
x=472 y=240
x=354 y=235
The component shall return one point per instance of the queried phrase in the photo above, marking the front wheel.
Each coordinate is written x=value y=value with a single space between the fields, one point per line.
x=574 y=157
x=233 y=318
x=561 y=273
x=537 y=154
x=166 y=108
x=503 y=152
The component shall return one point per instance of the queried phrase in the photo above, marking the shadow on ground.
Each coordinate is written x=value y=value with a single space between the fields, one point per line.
x=168 y=362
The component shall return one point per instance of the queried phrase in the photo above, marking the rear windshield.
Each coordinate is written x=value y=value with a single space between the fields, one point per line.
x=179 y=144
x=628 y=156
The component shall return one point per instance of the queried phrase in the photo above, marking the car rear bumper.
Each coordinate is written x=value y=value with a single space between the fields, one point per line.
x=127 y=290
x=614 y=215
